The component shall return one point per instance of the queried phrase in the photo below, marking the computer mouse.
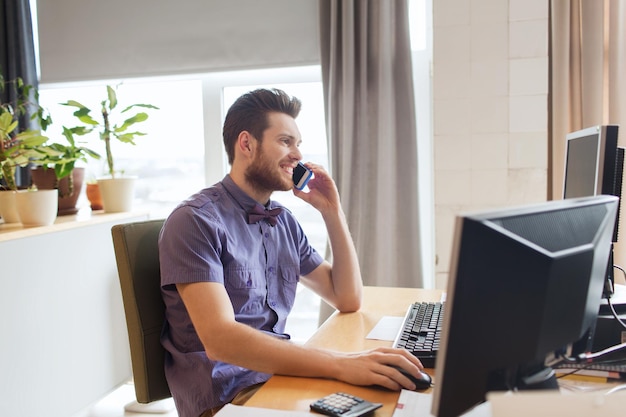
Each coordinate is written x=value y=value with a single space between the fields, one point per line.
x=423 y=382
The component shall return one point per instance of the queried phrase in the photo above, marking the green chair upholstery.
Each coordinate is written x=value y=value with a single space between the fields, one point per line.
x=137 y=257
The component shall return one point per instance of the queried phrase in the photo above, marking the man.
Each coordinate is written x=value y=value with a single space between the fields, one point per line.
x=230 y=262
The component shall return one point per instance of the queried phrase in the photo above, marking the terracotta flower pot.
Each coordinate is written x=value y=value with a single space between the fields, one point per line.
x=94 y=196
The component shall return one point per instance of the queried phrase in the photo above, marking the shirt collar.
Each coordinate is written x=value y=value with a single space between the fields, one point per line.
x=244 y=200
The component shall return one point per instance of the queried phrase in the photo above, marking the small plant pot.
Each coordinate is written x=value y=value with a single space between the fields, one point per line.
x=117 y=194
x=8 y=209
x=94 y=196
x=37 y=208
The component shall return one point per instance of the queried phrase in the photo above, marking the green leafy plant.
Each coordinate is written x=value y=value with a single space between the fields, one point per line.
x=18 y=146
x=63 y=157
x=108 y=125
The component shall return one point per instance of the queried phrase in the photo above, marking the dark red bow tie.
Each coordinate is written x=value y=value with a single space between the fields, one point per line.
x=259 y=213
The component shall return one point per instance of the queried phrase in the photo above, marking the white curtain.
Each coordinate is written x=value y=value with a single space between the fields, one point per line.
x=587 y=83
x=368 y=86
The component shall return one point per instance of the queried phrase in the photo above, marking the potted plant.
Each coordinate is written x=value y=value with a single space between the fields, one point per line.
x=18 y=146
x=114 y=124
x=56 y=169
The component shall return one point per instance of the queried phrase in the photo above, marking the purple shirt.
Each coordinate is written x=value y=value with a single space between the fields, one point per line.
x=207 y=239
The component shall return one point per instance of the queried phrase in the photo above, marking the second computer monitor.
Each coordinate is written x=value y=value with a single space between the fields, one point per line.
x=593 y=164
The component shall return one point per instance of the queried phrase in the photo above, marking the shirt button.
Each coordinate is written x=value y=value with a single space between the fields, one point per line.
x=271 y=269
x=249 y=283
x=266 y=234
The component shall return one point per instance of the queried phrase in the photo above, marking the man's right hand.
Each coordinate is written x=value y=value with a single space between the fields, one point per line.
x=377 y=367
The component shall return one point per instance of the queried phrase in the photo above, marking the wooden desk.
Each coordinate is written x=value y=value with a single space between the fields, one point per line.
x=346 y=333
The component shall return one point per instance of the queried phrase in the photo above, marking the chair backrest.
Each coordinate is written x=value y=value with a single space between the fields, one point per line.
x=137 y=257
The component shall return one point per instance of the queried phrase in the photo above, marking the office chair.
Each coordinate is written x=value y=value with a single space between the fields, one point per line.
x=137 y=257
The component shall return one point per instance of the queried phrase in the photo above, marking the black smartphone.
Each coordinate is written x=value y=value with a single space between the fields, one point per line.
x=301 y=175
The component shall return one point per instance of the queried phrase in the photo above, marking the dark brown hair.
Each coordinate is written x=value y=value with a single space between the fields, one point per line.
x=249 y=113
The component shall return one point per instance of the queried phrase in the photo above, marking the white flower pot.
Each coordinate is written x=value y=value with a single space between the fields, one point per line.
x=37 y=208
x=8 y=211
x=117 y=194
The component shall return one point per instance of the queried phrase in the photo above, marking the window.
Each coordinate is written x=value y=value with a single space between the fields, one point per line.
x=168 y=161
x=420 y=25
x=183 y=152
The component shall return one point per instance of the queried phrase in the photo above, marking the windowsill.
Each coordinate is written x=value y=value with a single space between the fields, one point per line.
x=11 y=231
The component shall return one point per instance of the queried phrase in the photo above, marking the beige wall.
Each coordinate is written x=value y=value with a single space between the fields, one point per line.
x=490 y=85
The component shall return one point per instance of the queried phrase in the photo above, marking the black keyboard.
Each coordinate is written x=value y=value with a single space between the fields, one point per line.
x=421 y=331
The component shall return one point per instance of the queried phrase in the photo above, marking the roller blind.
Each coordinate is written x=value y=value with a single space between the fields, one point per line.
x=96 y=39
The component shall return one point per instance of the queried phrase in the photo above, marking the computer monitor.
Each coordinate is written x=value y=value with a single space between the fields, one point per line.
x=593 y=164
x=525 y=284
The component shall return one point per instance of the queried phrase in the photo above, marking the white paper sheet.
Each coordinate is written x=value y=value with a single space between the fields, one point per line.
x=386 y=329
x=411 y=404
x=231 y=410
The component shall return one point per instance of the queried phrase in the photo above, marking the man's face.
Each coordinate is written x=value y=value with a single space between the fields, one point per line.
x=276 y=155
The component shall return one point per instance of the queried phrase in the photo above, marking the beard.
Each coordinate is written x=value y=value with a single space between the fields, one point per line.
x=266 y=176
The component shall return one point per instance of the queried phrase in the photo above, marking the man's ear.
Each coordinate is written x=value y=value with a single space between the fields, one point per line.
x=246 y=143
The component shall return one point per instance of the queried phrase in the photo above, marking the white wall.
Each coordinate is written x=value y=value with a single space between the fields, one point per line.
x=490 y=90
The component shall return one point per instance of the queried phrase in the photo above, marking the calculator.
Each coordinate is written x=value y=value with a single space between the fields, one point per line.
x=341 y=404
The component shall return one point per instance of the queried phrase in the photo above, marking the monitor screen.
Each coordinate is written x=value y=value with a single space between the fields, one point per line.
x=525 y=284
x=593 y=163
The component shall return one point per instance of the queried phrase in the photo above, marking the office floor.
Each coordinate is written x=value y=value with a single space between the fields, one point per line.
x=113 y=405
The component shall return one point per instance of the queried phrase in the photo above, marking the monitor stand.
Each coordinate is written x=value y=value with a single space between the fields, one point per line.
x=532 y=376
x=544 y=378
x=618 y=300
x=609 y=284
